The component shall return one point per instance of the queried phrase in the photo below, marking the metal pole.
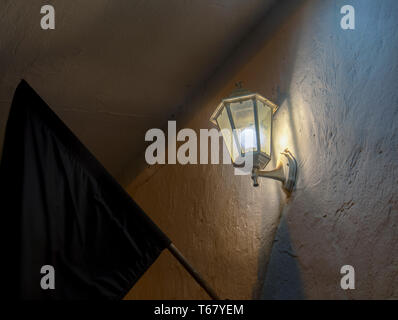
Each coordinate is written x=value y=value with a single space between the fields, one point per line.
x=178 y=255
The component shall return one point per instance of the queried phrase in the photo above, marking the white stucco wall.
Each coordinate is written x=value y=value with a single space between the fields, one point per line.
x=338 y=97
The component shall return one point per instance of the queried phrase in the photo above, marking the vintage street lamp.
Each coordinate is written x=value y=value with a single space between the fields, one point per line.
x=245 y=120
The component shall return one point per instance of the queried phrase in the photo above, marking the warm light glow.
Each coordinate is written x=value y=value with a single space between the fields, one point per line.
x=283 y=141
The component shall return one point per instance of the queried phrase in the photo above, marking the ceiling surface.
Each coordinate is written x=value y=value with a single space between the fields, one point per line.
x=113 y=69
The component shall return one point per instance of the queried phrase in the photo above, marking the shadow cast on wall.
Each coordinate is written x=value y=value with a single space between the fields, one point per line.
x=282 y=280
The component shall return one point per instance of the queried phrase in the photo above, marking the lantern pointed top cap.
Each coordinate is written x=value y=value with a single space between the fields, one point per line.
x=239 y=90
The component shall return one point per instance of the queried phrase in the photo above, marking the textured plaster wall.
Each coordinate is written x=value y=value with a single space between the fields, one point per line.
x=338 y=97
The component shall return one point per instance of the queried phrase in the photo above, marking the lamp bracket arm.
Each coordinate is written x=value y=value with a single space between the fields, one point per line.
x=276 y=174
x=285 y=171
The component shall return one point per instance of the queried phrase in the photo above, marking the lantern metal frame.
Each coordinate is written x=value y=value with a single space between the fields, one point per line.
x=286 y=169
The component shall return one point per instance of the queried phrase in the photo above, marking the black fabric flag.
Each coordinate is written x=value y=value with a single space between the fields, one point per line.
x=68 y=212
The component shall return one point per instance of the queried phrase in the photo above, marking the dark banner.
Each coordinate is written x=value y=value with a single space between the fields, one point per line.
x=74 y=232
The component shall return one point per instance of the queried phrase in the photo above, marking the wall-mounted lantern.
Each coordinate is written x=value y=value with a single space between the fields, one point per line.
x=245 y=120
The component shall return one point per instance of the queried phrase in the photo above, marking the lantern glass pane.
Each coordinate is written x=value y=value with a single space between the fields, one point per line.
x=226 y=130
x=264 y=119
x=243 y=116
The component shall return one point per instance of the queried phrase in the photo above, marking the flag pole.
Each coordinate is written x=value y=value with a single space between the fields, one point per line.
x=181 y=259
